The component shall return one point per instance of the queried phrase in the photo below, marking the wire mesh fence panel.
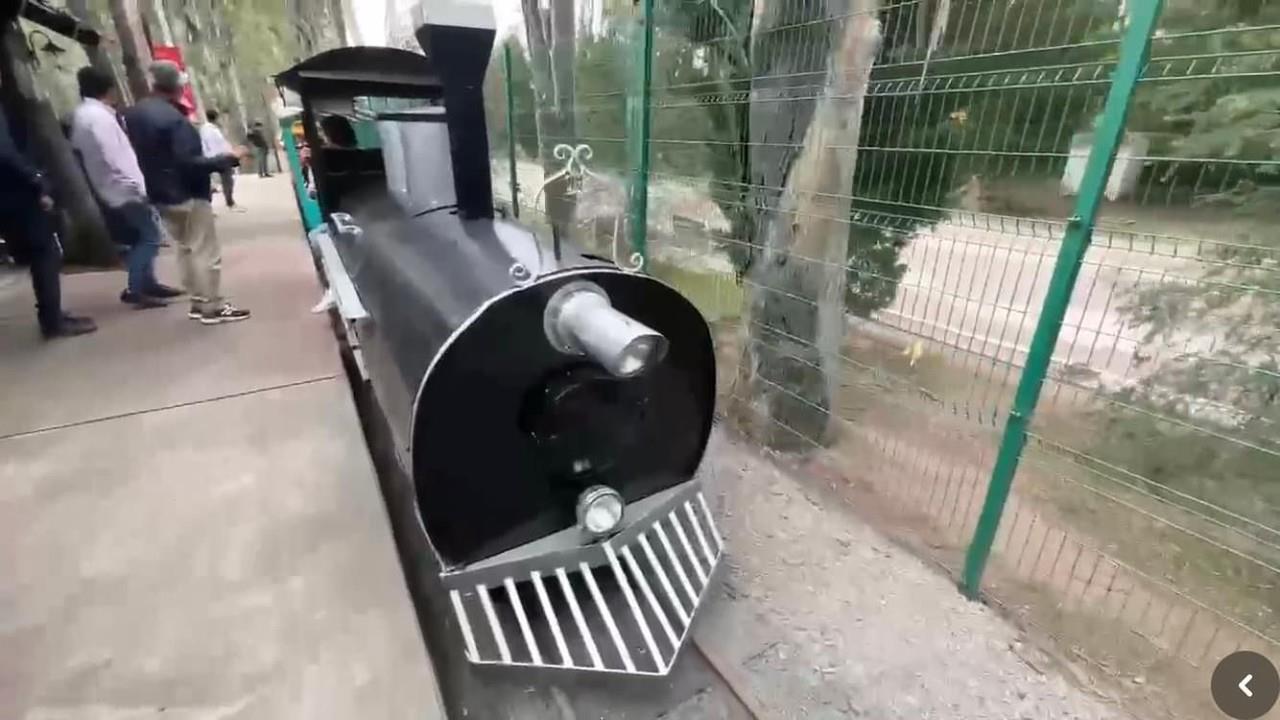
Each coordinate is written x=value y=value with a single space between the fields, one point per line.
x=867 y=198
x=976 y=122
x=511 y=107
x=938 y=272
x=562 y=97
x=502 y=83
x=1157 y=440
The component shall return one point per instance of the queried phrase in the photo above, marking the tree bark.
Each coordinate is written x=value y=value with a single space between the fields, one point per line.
x=136 y=52
x=85 y=239
x=97 y=55
x=552 y=50
x=239 y=109
x=804 y=152
x=922 y=26
x=338 y=10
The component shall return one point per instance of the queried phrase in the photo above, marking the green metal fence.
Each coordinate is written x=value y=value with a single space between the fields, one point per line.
x=1009 y=265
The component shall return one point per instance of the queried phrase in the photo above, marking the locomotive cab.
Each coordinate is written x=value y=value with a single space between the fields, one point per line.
x=550 y=407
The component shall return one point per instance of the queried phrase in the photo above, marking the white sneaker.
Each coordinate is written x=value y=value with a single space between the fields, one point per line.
x=195 y=313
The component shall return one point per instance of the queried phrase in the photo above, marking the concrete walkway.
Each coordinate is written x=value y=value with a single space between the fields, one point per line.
x=190 y=523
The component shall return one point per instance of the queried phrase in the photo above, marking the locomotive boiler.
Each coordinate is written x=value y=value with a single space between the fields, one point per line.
x=550 y=406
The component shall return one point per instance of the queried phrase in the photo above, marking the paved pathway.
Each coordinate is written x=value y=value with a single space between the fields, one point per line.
x=190 y=523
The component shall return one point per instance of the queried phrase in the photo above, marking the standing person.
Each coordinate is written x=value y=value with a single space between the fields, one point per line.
x=26 y=222
x=112 y=168
x=178 y=181
x=215 y=144
x=258 y=139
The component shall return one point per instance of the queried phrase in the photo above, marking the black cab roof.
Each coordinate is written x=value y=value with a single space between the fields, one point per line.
x=363 y=71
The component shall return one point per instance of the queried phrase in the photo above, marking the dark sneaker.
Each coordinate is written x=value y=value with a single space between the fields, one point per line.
x=70 y=327
x=226 y=313
x=141 y=302
x=164 y=291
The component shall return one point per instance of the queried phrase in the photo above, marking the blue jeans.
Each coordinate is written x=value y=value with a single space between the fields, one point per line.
x=141 y=228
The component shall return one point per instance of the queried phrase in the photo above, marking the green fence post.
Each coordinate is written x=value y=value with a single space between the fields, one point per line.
x=638 y=127
x=511 y=128
x=1134 y=49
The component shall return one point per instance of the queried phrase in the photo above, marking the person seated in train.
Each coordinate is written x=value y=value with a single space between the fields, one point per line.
x=338 y=132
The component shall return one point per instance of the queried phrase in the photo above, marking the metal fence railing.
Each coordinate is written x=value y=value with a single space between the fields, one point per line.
x=1010 y=266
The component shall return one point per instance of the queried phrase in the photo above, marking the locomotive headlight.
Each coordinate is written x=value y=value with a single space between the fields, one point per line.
x=599 y=510
x=580 y=319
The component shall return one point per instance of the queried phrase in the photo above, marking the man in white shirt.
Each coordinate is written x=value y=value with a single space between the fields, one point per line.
x=215 y=144
x=112 y=168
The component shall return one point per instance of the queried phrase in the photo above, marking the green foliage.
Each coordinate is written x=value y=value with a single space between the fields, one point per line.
x=495 y=100
x=1239 y=125
x=874 y=269
x=902 y=183
x=703 y=105
x=992 y=101
x=1236 y=305
x=244 y=43
x=600 y=76
x=1204 y=421
x=600 y=81
x=1228 y=110
x=1173 y=460
x=1198 y=429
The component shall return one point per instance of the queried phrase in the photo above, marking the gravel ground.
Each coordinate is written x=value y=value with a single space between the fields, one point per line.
x=820 y=616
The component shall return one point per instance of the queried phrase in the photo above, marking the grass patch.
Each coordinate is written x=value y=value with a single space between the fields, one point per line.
x=717 y=295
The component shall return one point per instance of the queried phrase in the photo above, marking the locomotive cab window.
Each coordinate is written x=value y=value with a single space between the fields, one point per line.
x=351 y=161
x=366 y=158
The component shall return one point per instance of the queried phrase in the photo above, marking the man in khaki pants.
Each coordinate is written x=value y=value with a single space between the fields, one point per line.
x=191 y=225
x=178 y=177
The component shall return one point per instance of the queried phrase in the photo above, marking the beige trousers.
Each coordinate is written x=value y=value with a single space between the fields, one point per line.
x=199 y=254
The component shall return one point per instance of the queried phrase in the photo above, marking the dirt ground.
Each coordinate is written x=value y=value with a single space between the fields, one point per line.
x=820 y=616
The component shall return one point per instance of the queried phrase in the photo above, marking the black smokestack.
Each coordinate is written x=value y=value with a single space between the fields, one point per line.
x=458 y=39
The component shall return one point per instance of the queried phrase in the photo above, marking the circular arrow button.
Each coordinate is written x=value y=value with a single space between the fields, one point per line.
x=1245 y=685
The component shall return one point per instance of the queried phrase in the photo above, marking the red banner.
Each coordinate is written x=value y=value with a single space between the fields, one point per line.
x=173 y=54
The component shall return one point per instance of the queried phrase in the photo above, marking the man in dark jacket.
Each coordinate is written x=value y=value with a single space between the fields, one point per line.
x=261 y=148
x=27 y=225
x=178 y=182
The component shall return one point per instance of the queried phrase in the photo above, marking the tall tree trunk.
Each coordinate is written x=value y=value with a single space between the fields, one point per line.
x=730 y=162
x=806 y=148
x=84 y=238
x=179 y=27
x=127 y=16
x=239 y=110
x=97 y=55
x=338 y=10
x=552 y=49
x=160 y=12
x=922 y=26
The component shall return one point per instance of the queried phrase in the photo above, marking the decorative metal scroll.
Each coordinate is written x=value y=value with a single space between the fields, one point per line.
x=575 y=159
x=520 y=274
x=575 y=172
